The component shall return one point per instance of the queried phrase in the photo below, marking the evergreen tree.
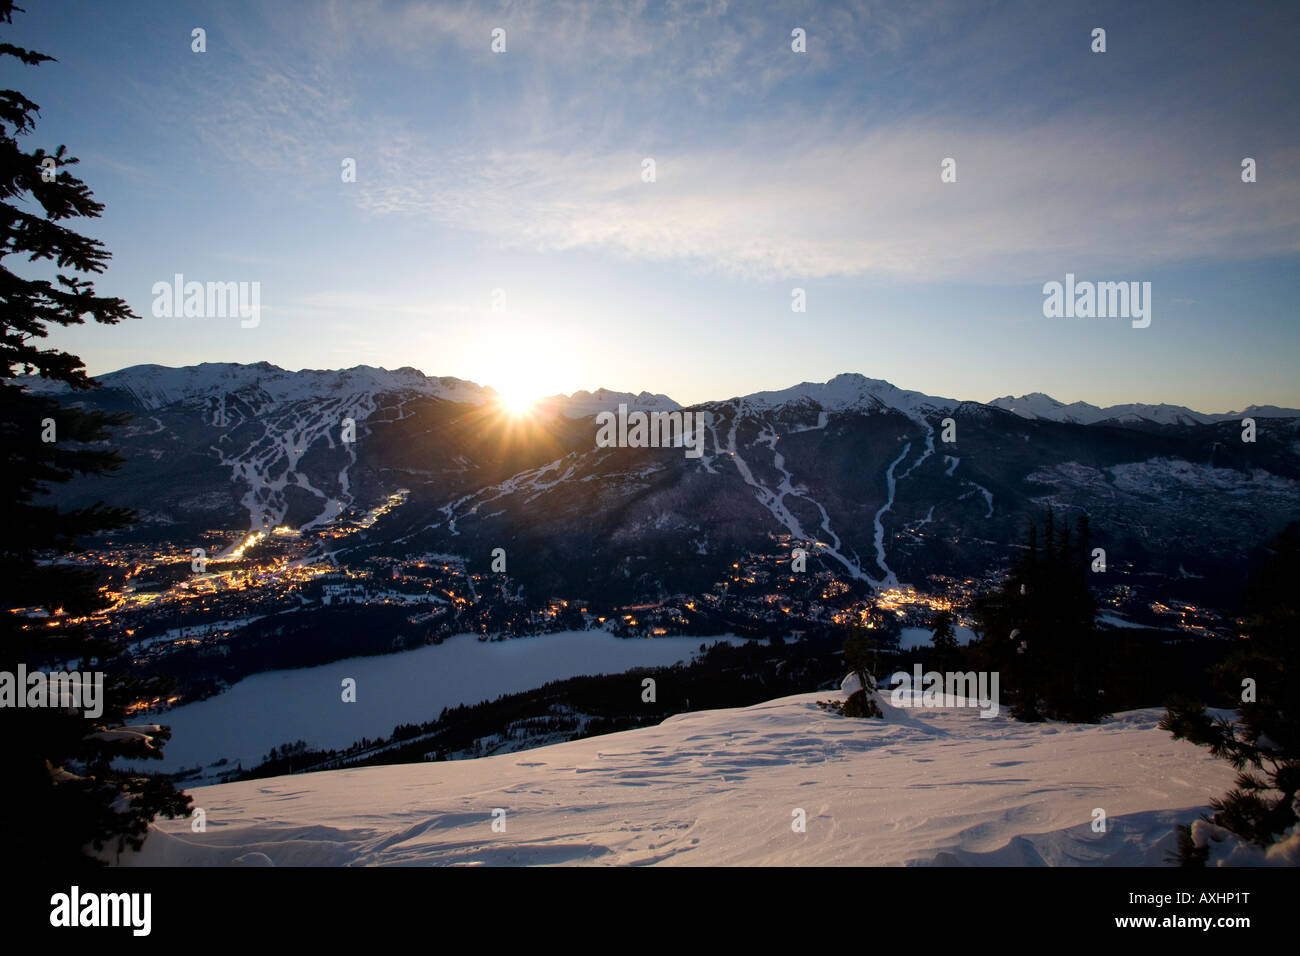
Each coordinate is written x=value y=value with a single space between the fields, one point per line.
x=1037 y=629
x=1263 y=744
x=943 y=638
x=60 y=788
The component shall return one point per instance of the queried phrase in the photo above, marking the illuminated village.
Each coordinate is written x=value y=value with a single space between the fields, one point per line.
x=161 y=601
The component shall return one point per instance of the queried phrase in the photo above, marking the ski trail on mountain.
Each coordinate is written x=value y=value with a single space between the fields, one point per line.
x=929 y=445
x=974 y=486
x=822 y=419
x=890 y=579
x=774 y=500
x=269 y=463
x=988 y=496
x=527 y=481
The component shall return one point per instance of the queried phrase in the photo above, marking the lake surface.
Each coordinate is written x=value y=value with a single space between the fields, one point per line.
x=411 y=687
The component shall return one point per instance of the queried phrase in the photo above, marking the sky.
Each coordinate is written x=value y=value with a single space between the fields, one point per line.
x=500 y=228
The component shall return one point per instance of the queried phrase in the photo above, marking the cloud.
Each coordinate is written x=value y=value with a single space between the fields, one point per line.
x=773 y=188
x=1029 y=202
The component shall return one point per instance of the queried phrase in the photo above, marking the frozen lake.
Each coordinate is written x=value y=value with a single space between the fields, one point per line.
x=269 y=709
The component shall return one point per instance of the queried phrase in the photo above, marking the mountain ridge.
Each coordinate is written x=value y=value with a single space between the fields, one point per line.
x=870 y=479
x=154 y=386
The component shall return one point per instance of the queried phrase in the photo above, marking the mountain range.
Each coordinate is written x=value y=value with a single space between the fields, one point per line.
x=1038 y=405
x=155 y=386
x=856 y=469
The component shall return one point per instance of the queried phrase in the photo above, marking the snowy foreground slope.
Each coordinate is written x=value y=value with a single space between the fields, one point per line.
x=934 y=786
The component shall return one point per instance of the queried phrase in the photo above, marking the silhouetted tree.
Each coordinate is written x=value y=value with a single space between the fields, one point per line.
x=1037 y=629
x=1263 y=743
x=60 y=788
x=943 y=638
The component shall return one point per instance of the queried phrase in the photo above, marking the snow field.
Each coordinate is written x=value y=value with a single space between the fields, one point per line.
x=932 y=786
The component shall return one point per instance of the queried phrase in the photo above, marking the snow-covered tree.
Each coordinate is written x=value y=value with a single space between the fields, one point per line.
x=861 y=650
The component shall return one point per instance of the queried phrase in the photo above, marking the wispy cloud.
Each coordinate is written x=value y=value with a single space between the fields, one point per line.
x=768 y=190
x=1028 y=201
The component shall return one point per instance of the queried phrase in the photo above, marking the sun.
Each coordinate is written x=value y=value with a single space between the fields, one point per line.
x=521 y=377
x=517 y=401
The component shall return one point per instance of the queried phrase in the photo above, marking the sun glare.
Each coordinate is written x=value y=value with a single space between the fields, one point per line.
x=517 y=401
x=522 y=379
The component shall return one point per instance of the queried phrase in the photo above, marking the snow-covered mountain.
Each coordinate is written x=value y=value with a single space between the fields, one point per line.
x=156 y=386
x=852 y=392
x=855 y=468
x=930 y=786
x=584 y=404
x=1036 y=405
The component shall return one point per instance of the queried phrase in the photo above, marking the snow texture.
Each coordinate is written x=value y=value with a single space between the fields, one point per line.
x=931 y=786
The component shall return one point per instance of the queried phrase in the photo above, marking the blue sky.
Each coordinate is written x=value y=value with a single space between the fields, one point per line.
x=521 y=171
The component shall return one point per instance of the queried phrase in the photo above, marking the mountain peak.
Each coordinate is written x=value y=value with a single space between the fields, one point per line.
x=852 y=390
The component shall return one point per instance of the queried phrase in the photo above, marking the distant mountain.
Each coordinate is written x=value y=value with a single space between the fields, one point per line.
x=855 y=469
x=156 y=386
x=1038 y=405
x=852 y=392
x=584 y=404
